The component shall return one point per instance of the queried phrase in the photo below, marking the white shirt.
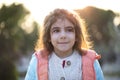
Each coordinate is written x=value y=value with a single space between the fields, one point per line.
x=69 y=72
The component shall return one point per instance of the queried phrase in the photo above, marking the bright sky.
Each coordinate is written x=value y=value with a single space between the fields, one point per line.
x=39 y=8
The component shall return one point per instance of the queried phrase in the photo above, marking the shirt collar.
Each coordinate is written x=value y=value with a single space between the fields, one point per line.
x=71 y=58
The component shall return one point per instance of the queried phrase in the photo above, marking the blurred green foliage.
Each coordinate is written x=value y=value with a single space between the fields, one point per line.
x=14 y=41
x=102 y=31
x=8 y=69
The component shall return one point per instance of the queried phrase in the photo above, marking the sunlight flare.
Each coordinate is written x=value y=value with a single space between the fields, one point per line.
x=39 y=9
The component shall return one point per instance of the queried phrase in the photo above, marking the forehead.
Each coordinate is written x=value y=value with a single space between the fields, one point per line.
x=62 y=23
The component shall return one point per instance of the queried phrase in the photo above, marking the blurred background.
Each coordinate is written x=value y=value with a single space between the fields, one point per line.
x=20 y=21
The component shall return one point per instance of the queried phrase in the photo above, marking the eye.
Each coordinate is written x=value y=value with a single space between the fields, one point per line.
x=56 y=31
x=70 y=29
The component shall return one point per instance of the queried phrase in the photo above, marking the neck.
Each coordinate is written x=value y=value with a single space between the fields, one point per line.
x=64 y=54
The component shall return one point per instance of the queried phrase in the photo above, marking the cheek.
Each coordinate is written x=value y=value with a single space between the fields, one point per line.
x=53 y=37
x=72 y=36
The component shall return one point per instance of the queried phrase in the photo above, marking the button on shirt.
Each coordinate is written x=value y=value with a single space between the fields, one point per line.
x=71 y=70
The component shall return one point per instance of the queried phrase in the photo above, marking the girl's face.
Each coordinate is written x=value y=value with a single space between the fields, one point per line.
x=62 y=35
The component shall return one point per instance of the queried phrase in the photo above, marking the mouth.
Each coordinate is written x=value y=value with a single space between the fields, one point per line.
x=62 y=42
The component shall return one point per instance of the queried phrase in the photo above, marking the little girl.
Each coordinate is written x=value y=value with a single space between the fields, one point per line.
x=64 y=52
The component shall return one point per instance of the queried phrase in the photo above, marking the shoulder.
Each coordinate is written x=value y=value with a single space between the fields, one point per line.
x=42 y=52
x=85 y=51
x=91 y=53
x=33 y=60
x=98 y=71
x=31 y=71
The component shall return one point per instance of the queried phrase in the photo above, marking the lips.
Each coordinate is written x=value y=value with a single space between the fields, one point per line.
x=62 y=42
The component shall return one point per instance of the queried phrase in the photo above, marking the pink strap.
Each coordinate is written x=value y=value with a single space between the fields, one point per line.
x=42 y=66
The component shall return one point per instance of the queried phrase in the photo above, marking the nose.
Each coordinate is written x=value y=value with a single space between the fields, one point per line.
x=62 y=35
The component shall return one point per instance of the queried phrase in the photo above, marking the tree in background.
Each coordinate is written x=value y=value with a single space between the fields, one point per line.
x=14 y=41
x=102 y=32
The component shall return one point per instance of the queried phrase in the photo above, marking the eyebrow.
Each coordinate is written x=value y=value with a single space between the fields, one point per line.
x=54 y=28
x=69 y=27
x=59 y=27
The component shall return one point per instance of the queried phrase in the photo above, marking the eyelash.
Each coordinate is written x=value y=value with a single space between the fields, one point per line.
x=56 y=30
x=70 y=30
x=67 y=30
